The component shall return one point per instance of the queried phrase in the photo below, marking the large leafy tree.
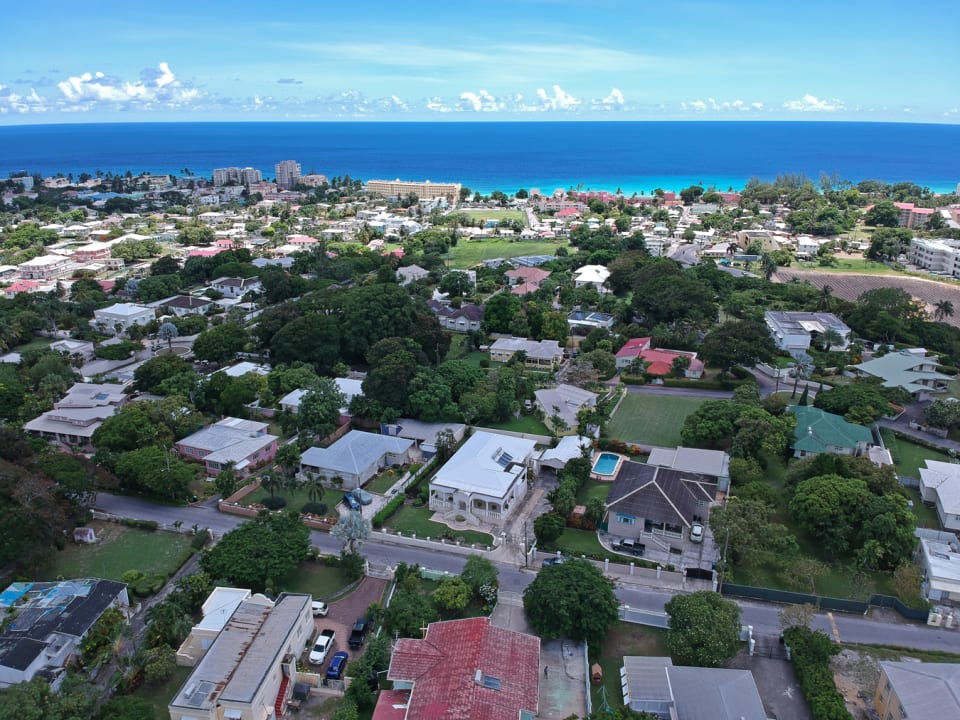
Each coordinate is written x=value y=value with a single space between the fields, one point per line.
x=152 y=470
x=704 y=629
x=312 y=338
x=260 y=552
x=157 y=369
x=320 y=408
x=572 y=600
x=220 y=343
x=829 y=508
x=740 y=342
x=499 y=311
x=144 y=423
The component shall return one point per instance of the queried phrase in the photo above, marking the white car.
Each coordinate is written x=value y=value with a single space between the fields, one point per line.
x=696 y=532
x=322 y=646
x=319 y=608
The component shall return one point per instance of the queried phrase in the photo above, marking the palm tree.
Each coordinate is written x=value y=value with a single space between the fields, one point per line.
x=314 y=487
x=826 y=298
x=830 y=338
x=271 y=481
x=942 y=309
x=168 y=331
x=802 y=370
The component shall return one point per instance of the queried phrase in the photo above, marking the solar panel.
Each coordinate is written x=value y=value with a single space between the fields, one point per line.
x=504 y=459
x=491 y=683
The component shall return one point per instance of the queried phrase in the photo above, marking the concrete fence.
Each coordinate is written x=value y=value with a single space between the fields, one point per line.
x=539 y=439
x=448 y=545
x=653 y=618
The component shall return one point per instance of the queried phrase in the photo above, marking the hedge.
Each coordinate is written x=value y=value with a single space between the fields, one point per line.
x=140 y=524
x=811 y=652
x=388 y=510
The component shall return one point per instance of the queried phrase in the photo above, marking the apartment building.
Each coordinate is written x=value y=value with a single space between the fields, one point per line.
x=936 y=255
x=288 y=174
x=241 y=176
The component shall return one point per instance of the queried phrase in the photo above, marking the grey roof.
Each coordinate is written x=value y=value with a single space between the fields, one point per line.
x=716 y=693
x=543 y=349
x=567 y=399
x=706 y=462
x=188 y=302
x=927 y=691
x=661 y=494
x=240 y=657
x=902 y=369
x=426 y=431
x=44 y=609
x=354 y=452
x=486 y=463
x=805 y=323
x=568 y=448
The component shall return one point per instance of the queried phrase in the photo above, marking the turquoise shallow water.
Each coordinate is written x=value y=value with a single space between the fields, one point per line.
x=486 y=156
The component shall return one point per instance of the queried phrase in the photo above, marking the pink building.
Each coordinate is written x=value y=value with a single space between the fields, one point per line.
x=660 y=360
x=243 y=444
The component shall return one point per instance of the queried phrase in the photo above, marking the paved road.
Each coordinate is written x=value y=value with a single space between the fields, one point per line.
x=763 y=617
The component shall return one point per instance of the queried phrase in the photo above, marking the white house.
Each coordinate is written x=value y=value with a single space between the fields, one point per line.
x=76 y=416
x=47 y=622
x=563 y=402
x=595 y=275
x=940 y=558
x=794 y=331
x=542 y=353
x=350 y=387
x=117 y=319
x=236 y=287
x=940 y=485
x=356 y=457
x=485 y=480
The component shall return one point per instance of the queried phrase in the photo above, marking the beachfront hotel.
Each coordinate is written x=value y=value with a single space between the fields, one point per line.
x=426 y=190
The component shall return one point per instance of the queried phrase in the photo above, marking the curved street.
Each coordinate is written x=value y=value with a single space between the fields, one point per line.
x=886 y=628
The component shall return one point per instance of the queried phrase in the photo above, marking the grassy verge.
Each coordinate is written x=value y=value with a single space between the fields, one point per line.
x=409 y=519
x=120 y=549
x=624 y=639
x=652 y=419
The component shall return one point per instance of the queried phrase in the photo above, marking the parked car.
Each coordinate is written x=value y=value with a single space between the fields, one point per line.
x=337 y=664
x=696 y=532
x=362 y=496
x=358 y=634
x=631 y=546
x=319 y=608
x=558 y=560
x=322 y=646
x=351 y=501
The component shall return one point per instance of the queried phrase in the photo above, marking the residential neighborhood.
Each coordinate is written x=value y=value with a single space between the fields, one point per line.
x=408 y=426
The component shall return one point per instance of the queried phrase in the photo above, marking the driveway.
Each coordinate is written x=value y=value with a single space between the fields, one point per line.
x=344 y=612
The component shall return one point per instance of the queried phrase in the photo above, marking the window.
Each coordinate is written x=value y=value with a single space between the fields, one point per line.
x=625 y=519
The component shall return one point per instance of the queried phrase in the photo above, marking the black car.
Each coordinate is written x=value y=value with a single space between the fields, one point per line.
x=359 y=633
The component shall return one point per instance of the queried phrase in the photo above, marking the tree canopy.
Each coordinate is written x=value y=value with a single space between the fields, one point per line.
x=704 y=629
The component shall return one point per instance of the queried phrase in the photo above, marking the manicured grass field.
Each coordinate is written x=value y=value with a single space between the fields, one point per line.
x=579 y=542
x=498 y=215
x=908 y=456
x=593 y=489
x=652 y=419
x=120 y=549
x=315 y=578
x=468 y=253
x=410 y=519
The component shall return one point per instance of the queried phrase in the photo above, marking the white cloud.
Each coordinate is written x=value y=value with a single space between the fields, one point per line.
x=811 y=103
x=720 y=106
x=561 y=99
x=12 y=102
x=156 y=87
x=613 y=101
x=480 y=102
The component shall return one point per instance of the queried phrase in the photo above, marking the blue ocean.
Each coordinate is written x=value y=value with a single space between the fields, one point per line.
x=486 y=156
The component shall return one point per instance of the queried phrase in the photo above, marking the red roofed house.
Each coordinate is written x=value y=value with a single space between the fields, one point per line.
x=661 y=360
x=21 y=286
x=463 y=670
x=525 y=280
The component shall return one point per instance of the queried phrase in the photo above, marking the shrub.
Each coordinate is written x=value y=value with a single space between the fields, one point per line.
x=387 y=511
x=201 y=539
x=314 y=508
x=811 y=652
x=117 y=351
x=150 y=525
x=277 y=502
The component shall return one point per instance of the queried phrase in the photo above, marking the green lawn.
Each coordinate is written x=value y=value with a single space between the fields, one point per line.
x=120 y=549
x=652 y=419
x=579 y=542
x=37 y=343
x=160 y=694
x=926 y=516
x=526 y=424
x=593 y=489
x=296 y=498
x=624 y=639
x=315 y=578
x=498 y=215
x=468 y=253
x=409 y=519
x=386 y=480
x=908 y=456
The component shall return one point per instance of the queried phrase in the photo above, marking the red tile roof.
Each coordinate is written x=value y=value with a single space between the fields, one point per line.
x=444 y=668
x=633 y=347
x=392 y=705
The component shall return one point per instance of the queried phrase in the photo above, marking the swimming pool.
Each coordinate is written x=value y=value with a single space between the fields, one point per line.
x=606 y=464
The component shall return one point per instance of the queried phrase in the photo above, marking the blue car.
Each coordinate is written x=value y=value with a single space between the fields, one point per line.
x=351 y=501
x=337 y=664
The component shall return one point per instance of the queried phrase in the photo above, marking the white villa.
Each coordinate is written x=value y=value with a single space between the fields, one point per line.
x=356 y=457
x=485 y=480
x=119 y=318
x=940 y=485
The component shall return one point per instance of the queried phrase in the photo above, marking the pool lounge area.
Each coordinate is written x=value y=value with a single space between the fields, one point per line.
x=606 y=465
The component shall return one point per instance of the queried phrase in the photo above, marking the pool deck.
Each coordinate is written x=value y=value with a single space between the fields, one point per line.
x=605 y=477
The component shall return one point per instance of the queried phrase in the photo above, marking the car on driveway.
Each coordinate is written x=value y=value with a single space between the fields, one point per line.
x=558 y=560
x=358 y=634
x=337 y=664
x=322 y=646
x=319 y=608
x=696 y=532
x=351 y=501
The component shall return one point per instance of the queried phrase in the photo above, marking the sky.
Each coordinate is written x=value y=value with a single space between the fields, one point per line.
x=239 y=60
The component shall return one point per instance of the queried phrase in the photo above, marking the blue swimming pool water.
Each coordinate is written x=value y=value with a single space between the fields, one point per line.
x=606 y=464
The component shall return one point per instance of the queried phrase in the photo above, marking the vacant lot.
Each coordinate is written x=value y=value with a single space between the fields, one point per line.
x=652 y=419
x=120 y=549
x=850 y=286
